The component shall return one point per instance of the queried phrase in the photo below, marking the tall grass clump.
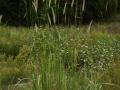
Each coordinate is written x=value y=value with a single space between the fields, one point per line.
x=51 y=11
x=69 y=59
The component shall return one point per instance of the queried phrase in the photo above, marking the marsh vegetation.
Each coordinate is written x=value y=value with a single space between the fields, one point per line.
x=59 y=45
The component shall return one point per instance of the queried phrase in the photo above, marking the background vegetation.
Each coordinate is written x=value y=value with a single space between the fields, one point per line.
x=27 y=12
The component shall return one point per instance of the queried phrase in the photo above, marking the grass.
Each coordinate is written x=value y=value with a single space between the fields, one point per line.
x=60 y=58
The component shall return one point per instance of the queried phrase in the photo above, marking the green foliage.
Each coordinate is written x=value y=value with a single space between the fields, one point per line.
x=95 y=49
x=12 y=69
x=11 y=41
x=13 y=54
x=60 y=58
x=70 y=59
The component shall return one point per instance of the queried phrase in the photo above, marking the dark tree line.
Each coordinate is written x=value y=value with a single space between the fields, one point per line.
x=21 y=12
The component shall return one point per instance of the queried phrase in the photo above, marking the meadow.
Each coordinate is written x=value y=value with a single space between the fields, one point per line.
x=59 y=58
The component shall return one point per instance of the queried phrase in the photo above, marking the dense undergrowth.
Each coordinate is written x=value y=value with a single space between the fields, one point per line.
x=59 y=58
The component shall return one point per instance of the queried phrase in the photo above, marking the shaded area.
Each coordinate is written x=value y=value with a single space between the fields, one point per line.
x=67 y=12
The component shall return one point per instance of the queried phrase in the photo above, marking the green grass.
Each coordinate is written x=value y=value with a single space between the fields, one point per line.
x=60 y=58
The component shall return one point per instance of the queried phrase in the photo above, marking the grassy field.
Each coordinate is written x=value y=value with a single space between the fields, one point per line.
x=59 y=58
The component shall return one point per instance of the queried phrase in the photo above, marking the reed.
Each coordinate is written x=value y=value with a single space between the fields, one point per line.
x=54 y=11
x=0 y=18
